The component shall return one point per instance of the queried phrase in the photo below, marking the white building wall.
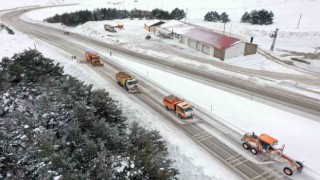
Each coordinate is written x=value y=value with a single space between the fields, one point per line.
x=211 y=51
x=184 y=40
x=235 y=50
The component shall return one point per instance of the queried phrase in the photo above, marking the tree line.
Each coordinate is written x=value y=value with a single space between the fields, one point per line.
x=213 y=16
x=83 y=16
x=55 y=127
x=261 y=17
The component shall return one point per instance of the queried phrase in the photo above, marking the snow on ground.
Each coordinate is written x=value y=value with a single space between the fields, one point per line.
x=297 y=132
x=14 y=43
x=8 y=4
x=132 y=37
x=259 y=62
x=190 y=159
x=287 y=13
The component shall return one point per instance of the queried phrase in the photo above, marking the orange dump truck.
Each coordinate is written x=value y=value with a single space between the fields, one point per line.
x=93 y=58
x=183 y=109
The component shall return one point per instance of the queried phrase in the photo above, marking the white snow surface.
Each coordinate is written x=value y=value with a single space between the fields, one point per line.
x=9 y=4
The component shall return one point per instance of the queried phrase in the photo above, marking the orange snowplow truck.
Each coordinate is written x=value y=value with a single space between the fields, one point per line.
x=182 y=109
x=266 y=145
x=93 y=58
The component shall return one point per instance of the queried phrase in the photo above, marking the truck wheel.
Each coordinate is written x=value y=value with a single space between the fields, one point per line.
x=287 y=171
x=119 y=83
x=167 y=108
x=245 y=146
x=254 y=151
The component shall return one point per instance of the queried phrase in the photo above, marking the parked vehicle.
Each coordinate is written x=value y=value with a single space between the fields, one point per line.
x=128 y=82
x=66 y=33
x=182 y=109
x=109 y=28
x=265 y=144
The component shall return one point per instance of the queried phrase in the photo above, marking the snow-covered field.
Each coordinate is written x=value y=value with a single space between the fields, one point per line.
x=9 y=4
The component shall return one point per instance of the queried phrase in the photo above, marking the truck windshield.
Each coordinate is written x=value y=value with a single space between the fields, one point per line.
x=187 y=109
x=132 y=82
x=95 y=57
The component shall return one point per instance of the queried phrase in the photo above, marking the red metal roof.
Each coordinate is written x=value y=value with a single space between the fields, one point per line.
x=216 y=40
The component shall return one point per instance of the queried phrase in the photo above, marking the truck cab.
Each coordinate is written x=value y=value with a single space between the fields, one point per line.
x=131 y=84
x=184 y=109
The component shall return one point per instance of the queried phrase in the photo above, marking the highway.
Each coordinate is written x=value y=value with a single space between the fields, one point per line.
x=295 y=103
x=214 y=140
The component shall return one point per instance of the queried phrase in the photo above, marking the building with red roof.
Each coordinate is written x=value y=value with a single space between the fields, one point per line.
x=215 y=44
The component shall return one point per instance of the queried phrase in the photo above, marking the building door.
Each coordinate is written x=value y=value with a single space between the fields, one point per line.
x=205 y=49
x=192 y=43
x=199 y=46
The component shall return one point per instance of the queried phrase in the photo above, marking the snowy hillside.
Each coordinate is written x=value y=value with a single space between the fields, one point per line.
x=291 y=42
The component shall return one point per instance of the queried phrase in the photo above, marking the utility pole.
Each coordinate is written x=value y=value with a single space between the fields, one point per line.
x=299 y=21
x=274 y=36
x=224 y=27
x=185 y=19
x=230 y=29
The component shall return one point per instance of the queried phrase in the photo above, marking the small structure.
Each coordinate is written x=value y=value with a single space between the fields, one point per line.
x=215 y=44
x=151 y=26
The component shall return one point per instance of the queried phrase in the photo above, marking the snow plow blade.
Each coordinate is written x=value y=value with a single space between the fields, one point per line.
x=101 y=64
x=193 y=120
x=134 y=91
x=86 y=62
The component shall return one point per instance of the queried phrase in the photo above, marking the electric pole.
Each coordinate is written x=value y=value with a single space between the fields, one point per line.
x=185 y=19
x=299 y=21
x=274 y=36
